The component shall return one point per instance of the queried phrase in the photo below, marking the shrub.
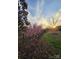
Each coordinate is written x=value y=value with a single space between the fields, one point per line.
x=34 y=32
x=30 y=46
x=36 y=49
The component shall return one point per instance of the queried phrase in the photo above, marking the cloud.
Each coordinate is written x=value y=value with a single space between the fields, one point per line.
x=39 y=7
x=39 y=16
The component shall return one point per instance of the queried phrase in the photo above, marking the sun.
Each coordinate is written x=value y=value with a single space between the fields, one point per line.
x=54 y=26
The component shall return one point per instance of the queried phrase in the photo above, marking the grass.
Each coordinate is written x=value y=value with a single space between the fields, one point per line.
x=53 y=39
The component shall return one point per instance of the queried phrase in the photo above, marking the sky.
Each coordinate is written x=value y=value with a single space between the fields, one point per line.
x=42 y=8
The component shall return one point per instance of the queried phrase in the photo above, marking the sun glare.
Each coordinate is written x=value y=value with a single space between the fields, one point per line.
x=54 y=26
x=45 y=24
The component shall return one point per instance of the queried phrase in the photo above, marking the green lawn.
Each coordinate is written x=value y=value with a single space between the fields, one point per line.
x=53 y=39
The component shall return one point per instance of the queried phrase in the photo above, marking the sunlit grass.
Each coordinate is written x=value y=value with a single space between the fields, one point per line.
x=53 y=39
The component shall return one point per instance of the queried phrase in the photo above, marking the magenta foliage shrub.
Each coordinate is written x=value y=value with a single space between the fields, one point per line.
x=30 y=46
x=34 y=32
x=36 y=49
